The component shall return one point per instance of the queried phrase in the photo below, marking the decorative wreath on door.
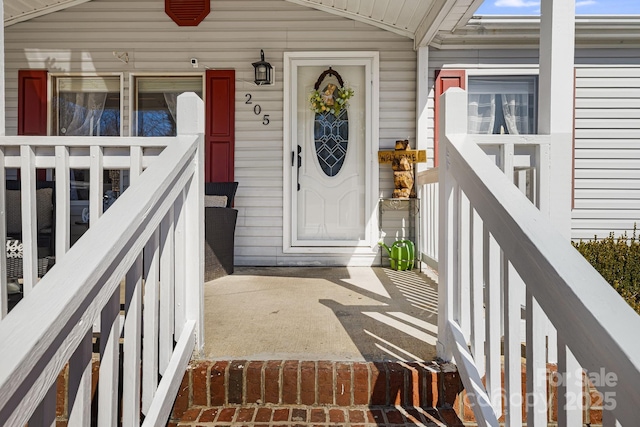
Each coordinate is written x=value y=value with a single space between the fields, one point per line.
x=332 y=99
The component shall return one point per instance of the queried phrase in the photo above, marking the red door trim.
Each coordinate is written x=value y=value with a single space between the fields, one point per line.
x=445 y=79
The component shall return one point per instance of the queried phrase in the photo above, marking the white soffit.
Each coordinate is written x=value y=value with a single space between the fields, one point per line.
x=22 y=10
x=418 y=20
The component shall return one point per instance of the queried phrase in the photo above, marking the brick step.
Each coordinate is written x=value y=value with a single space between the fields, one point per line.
x=327 y=384
x=299 y=416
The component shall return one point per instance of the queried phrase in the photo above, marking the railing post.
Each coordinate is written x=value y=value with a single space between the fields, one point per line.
x=191 y=122
x=453 y=105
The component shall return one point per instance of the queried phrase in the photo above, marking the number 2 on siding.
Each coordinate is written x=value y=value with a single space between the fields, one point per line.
x=248 y=101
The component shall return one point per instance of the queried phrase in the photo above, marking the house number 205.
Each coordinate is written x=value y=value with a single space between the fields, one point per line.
x=257 y=109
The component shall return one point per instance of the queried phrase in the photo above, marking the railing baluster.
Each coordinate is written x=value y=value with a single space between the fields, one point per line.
x=63 y=203
x=132 y=345
x=512 y=352
x=96 y=174
x=465 y=239
x=109 y=362
x=29 y=226
x=180 y=272
x=536 y=364
x=150 y=321
x=167 y=280
x=569 y=387
x=79 y=389
x=491 y=256
x=476 y=292
x=135 y=168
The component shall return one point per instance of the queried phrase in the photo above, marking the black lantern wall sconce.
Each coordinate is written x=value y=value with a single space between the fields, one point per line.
x=263 y=71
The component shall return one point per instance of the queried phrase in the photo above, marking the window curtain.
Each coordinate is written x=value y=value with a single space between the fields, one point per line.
x=515 y=108
x=80 y=119
x=171 y=98
x=502 y=104
x=83 y=118
x=482 y=113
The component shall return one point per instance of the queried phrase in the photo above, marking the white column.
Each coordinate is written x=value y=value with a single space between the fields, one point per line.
x=557 y=42
x=422 y=97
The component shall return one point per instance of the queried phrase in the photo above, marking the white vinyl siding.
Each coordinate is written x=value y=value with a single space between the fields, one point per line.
x=607 y=193
x=84 y=38
x=607 y=143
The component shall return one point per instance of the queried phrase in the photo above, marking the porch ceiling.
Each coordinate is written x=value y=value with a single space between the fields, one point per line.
x=419 y=20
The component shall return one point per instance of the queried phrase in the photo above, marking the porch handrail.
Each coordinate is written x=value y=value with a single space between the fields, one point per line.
x=159 y=216
x=596 y=329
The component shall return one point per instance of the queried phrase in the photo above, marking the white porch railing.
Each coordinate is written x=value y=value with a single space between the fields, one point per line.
x=150 y=241
x=487 y=251
x=525 y=161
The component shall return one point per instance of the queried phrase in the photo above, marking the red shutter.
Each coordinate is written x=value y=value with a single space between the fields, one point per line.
x=32 y=102
x=32 y=106
x=187 y=13
x=444 y=80
x=220 y=127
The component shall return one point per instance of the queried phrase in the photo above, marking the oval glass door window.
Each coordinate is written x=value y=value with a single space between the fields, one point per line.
x=331 y=135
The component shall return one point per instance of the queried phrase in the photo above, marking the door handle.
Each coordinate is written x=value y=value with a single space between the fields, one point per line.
x=299 y=164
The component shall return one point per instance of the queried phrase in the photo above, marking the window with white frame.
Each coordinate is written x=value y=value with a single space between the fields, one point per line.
x=87 y=106
x=504 y=104
x=156 y=101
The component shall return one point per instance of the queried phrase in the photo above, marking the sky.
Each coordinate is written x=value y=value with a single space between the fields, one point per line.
x=583 y=7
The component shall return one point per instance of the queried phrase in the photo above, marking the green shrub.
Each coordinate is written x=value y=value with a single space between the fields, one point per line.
x=618 y=261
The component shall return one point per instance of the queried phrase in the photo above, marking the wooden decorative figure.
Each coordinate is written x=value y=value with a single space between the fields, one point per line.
x=402 y=162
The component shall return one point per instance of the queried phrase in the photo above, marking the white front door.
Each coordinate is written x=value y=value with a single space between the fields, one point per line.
x=330 y=171
x=330 y=180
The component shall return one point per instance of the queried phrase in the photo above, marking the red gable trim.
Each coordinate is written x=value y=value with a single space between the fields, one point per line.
x=187 y=13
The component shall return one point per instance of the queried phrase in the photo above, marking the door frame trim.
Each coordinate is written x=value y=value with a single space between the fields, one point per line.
x=371 y=61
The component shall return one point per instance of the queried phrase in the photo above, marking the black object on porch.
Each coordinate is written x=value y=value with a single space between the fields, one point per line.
x=219 y=231
x=45 y=207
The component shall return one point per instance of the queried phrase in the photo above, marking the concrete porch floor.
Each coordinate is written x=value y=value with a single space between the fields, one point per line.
x=321 y=313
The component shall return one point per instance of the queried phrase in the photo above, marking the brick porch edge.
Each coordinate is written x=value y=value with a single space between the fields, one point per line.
x=319 y=383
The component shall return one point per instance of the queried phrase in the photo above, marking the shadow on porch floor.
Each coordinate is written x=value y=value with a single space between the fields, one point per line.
x=321 y=313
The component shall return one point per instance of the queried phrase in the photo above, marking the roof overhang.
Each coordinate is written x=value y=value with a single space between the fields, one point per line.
x=592 y=31
x=419 y=20
x=22 y=10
